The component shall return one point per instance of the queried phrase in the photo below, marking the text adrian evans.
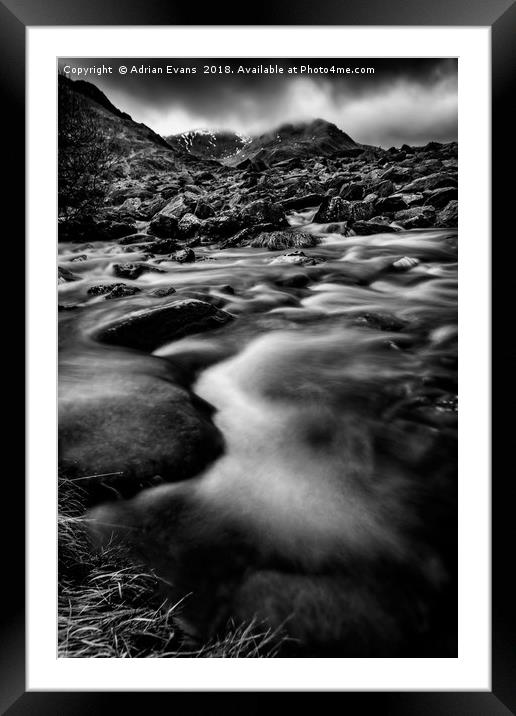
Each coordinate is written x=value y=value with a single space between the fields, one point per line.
x=87 y=70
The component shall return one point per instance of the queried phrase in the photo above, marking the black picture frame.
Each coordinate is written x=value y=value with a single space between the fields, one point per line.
x=500 y=15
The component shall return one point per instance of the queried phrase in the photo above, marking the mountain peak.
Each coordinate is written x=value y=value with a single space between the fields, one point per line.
x=301 y=140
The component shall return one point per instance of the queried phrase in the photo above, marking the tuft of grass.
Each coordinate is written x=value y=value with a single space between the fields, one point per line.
x=109 y=607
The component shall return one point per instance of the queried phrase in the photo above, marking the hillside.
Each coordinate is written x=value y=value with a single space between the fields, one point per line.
x=205 y=144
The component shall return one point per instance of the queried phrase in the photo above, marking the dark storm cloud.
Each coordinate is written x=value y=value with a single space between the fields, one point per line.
x=404 y=100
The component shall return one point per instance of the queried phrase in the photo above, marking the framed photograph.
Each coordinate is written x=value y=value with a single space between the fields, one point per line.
x=258 y=426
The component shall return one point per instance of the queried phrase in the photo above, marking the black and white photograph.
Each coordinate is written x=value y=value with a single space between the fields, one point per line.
x=257 y=365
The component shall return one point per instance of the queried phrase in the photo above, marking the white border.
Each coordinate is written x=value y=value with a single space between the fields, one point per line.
x=471 y=671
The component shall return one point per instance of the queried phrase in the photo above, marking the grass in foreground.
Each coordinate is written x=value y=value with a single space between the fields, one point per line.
x=108 y=607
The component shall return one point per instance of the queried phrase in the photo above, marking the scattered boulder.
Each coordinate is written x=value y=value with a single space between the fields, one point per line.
x=405 y=263
x=391 y=204
x=148 y=328
x=162 y=292
x=164 y=246
x=415 y=217
x=113 y=290
x=384 y=188
x=180 y=205
x=379 y=321
x=130 y=271
x=449 y=216
x=352 y=192
x=134 y=271
x=431 y=181
x=64 y=275
x=189 y=225
x=223 y=226
x=102 y=288
x=334 y=209
x=396 y=174
x=239 y=239
x=185 y=256
x=163 y=226
x=263 y=211
x=364 y=228
x=301 y=202
x=363 y=210
x=134 y=239
x=112 y=230
x=203 y=210
x=297 y=258
x=277 y=240
x=439 y=198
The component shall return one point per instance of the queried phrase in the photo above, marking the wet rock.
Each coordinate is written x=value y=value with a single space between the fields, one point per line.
x=241 y=238
x=352 y=192
x=112 y=230
x=390 y=204
x=80 y=257
x=223 y=226
x=301 y=202
x=414 y=211
x=363 y=210
x=151 y=207
x=122 y=290
x=134 y=239
x=379 y=321
x=364 y=228
x=439 y=198
x=163 y=226
x=185 y=256
x=405 y=263
x=180 y=205
x=396 y=174
x=384 y=188
x=134 y=421
x=149 y=328
x=134 y=271
x=162 y=292
x=113 y=290
x=189 y=225
x=164 y=246
x=431 y=181
x=131 y=207
x=448 y=217
x=277 y=240
x=416 y=217
x=263 y=211
x=203 y=210
x=339 y=227
x=334 y=209
x=413 y=199
x=130 y=271
x=296 y=258
x=102 y=289
x=64 y=275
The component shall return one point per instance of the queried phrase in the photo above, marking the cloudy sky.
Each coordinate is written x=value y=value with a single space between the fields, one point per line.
x=403 y=100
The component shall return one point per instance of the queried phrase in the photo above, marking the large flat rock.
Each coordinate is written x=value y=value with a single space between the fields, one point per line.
x=148 y=328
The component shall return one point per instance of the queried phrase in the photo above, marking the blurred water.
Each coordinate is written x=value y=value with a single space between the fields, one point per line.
x=332 y=389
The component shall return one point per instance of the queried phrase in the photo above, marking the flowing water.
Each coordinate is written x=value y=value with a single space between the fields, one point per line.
x=334 y=387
